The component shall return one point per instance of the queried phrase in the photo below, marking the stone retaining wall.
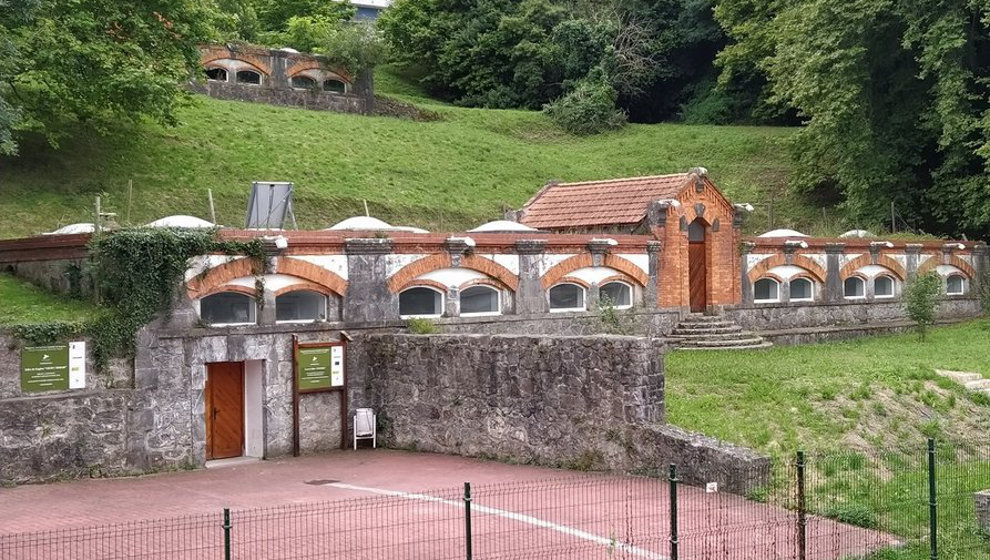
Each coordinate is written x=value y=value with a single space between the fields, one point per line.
x=797 y=316
x=981 y=500
x=577 y=402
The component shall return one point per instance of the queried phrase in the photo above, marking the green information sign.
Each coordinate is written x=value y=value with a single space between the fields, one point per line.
x=45 y=368
x=314 y=369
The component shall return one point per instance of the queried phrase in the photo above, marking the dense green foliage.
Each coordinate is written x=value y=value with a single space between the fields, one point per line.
x=587 y=109
x=921 y=300
x=895 y=96
x=95 y=62
x=454 y=173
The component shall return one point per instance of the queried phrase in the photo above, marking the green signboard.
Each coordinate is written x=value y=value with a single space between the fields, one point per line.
x=45 y=368
x=314 y=369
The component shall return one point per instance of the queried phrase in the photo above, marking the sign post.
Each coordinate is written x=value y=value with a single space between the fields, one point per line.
x=318 y=368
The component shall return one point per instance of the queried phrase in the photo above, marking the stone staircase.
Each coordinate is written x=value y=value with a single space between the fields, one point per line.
x=711 y=332
x=972 y=381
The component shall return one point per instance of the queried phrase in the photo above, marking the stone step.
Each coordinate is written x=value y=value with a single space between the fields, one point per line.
x=705 y=326
x=736 y=342
x=699 y=318
x=679 y=331
x=959 y=376
x=762 y=346
x=978 y=385
x=736 y=335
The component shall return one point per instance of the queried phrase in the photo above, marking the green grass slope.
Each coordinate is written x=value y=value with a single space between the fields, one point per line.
x=872 y=393
x=444 y=175
x=24 y=303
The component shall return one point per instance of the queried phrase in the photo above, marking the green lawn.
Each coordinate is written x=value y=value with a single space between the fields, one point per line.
x=870 y=393
x=454 y=173
x=24 y=303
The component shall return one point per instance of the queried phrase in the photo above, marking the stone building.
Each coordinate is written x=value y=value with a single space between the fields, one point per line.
x=282 y=77
x=525 y=293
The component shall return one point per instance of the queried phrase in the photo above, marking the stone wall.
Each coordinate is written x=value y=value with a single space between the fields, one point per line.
x=578 y=402
x=981 y=501
x=62 y=276
x=779 y=317
x=307 y=99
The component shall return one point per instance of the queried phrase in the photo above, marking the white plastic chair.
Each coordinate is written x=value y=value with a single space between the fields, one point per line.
x=365 y=426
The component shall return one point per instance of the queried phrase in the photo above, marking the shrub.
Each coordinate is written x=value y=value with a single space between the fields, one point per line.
x=921 y=299
x=588 y=109
x=422 y=326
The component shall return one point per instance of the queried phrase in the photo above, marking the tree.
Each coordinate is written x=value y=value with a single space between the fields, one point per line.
x=95 y=62
x=893 y=95
x=921 y=300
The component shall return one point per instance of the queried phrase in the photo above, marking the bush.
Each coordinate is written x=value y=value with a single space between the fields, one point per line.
x=921 y=299
x=422 y=326
x=588 y=109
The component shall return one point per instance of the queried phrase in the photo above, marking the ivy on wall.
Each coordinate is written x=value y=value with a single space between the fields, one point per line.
x=137 y=274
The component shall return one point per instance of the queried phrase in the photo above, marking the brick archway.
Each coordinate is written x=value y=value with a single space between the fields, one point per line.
x=315 y=274
x=584 y=260
x=955 y=261
x=811 y=267
x=866 y=260
x=407 y=274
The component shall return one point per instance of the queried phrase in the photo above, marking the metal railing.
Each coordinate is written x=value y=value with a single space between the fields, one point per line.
x=904 y=505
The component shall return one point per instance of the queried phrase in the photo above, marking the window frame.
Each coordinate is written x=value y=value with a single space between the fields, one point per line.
x=811 y=285
x=326 y=308
x=862 y=283
x=225 y=71
x=443 y=302
x=893 y=287
x=498 y=302
x=253 y=302
x=621 y=283
x=584 y=298
x=962 y=284
x=323 y=86
x=237 y=77
x=775 y=282
x=314 y=85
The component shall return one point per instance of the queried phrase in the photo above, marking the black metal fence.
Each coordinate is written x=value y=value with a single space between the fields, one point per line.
x=896 y=505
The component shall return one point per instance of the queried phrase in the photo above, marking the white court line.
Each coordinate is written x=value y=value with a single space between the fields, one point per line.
x=570 y=531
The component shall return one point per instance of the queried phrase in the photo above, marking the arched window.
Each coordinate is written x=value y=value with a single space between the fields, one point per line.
x=854 y=288
x=216 y=74
x=303 y=82
x=766 y=290
x=883 y=286
x=248 y=77
x=955 y=285
x=802 y=289
x=480 y=300
x=228 y=308
x=420 y=302
x=619 y=294
x=300 y=306
x=334 y=86
x=567 y=297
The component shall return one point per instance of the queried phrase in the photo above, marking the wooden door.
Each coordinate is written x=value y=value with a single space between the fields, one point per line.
x=698 y=265
x=224 y=410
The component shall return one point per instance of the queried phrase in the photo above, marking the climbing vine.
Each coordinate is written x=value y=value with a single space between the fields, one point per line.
x=137 y=273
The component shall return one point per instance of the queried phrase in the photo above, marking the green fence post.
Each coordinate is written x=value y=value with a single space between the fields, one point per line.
x=467 y=518
x=226 y=533
x=672 y=479
x=802 y=508
x=932 y=500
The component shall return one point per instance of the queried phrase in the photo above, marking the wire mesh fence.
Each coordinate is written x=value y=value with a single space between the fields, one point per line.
x=826 y=506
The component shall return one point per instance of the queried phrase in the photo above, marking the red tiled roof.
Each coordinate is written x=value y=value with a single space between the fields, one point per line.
x=598 y=203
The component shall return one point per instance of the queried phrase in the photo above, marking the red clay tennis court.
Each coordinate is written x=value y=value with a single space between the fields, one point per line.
x=365 y=505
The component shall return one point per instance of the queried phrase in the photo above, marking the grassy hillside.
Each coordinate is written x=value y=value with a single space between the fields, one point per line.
x=453 y=173
x=872 y=393
x=24 y=303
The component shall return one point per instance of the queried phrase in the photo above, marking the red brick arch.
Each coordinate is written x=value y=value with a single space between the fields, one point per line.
x=584 y=260
x=866 y=260
x=955 y=261
x=213 y=279
x=246 y=290
x=571 y=280
x=425 y=284
x=813 y=269
x=315 y=274
x=407 y=274
x=305 y=286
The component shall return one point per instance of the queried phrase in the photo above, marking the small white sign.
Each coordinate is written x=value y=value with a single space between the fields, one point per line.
x=337 y=366
x=711 y=488
x=77 y=365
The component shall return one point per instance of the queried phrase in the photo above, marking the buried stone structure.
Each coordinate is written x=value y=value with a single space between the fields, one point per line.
x=521 y=371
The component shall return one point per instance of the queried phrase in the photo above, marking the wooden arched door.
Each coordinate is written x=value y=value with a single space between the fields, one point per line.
x=698 y=265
